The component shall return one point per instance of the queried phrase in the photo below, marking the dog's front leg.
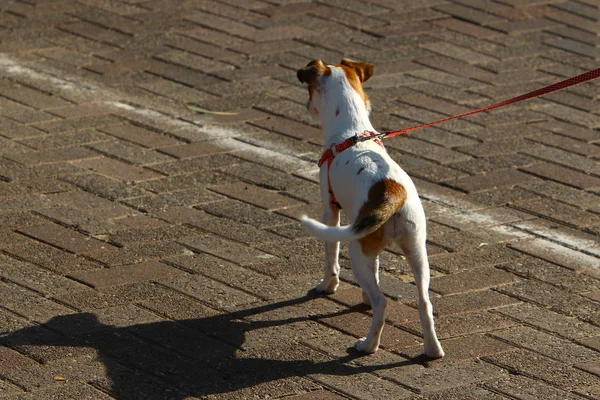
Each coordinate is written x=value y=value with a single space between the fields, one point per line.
x=331 y=278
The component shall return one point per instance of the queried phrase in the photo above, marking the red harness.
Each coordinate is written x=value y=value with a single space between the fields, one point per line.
x=334 y=149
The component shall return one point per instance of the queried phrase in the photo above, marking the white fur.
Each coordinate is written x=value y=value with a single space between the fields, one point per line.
x=343 y=113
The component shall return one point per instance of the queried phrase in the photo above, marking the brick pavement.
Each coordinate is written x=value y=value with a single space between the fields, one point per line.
x=149 y=251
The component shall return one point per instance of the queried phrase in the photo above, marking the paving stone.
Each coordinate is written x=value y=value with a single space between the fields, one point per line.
x=550 y=296
x=244 y=213
x=493 y=163
x=194 y=164
x=233 y=230
x=49 y=257
x=213 y=293
x=94 y=121
x=463 y=240
x=542 y=318
x=492 y=180
x=14 y=360
x=568 y=144
x=255 y=195
x=466 y=28
x=479 y=278
x=558 y=254
x=29 y=96
x=151 y=234
x=181 y=215
x=564 y=158
x=165 y=201
x=553 y=274
x=536 y=366
x=522 y=387
x=471 y=392
x=543 y=343
x=64 y=140
x=474 y=301
x=565 y=193
x=64 y=238
x=564 y=175
x=129 y=152
x=116 y=169
x=363 y=386
x=30 y=304
x=77 y=390
x=473 y=258
x=558 y=212
x=53 y=155
x=106 y=187
x=136 y=253
x=142 y=293
x=140 y=136
x=242 y=278
x=445 y=376
x=569 y=130
x=34 y=277
x=187 y=181
x=318 y=395
x=125 y=274
x=222 y=248
x=289 y=128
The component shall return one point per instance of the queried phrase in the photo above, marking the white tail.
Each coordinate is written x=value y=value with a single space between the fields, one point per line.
x=331 y=233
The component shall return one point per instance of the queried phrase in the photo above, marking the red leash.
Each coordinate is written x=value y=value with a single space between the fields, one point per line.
x=587 y=76
x=331 y=152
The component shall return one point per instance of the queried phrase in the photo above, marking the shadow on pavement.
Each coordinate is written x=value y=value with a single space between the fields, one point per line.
x=175 y=359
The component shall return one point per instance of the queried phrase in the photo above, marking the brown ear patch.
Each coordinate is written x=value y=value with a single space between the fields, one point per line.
x=385 y=198
x=363 y=70
x=312 y=71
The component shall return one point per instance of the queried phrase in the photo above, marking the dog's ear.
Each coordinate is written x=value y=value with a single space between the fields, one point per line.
x=312 y=71
x=364 y=70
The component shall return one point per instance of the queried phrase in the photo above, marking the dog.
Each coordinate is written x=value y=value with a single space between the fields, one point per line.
x=378 y=197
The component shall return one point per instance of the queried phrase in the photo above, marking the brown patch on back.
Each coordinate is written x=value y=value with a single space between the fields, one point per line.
x=385 y=198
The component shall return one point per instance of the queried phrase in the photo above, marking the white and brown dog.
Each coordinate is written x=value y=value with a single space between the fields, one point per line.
x=378 y=197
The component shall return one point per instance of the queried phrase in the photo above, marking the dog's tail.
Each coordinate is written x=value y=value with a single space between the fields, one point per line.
x=385 y=198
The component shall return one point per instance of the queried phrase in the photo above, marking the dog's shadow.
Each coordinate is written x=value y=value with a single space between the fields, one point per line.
x=173 y=360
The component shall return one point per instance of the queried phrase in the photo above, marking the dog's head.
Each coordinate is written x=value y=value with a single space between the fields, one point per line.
x=332 y=80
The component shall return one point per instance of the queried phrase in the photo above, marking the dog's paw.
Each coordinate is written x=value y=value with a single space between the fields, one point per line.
x=328 y=286
x=434 y=351
x=364 y=346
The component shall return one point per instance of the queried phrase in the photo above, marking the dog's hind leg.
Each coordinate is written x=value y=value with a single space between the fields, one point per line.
x=413 y=246
x=331 y=278
x=365 y=272
x=375 y=271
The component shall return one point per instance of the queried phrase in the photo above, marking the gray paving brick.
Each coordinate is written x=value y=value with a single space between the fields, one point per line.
x=532 y=365
x=125 y=274
x=529 y=389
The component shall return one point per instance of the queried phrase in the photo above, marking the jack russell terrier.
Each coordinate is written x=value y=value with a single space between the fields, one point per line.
x=358 y=176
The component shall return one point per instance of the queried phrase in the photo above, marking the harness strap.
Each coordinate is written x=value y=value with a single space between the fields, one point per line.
x=333 y=150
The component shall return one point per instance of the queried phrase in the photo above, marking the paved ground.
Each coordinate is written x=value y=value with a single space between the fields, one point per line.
x=149 y=251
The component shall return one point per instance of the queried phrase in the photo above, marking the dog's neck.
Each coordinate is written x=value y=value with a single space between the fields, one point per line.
x=344 y=112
